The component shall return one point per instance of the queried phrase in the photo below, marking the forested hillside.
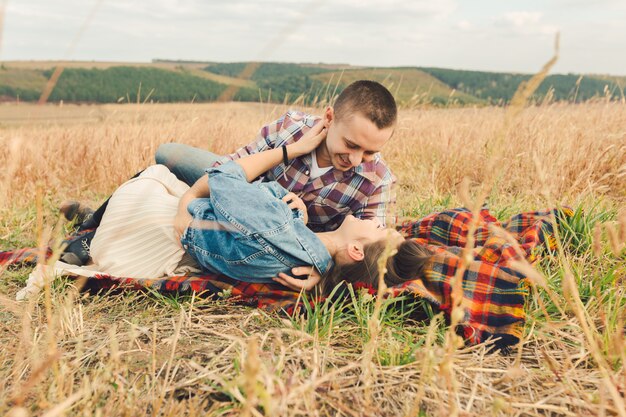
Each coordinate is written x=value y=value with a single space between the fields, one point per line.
x=177 y=81
x=497 y=88
x=132 y=84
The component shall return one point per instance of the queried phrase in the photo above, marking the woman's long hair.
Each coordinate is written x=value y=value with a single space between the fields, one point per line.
x=407 y=264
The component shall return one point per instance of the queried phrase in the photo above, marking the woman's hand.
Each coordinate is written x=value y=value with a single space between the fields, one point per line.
x=300 y=284
x=295 y=202
x=310 y=141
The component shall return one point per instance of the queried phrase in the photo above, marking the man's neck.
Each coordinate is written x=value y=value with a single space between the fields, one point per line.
x=322 y=156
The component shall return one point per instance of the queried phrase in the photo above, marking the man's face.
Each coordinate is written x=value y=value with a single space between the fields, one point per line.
x=351 y=141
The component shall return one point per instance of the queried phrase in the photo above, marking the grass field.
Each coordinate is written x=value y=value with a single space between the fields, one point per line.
x=136 y=354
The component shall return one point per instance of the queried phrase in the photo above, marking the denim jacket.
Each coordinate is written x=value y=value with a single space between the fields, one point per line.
x=247 y=232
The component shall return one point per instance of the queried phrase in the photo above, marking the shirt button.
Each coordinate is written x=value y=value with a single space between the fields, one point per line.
x=306 y=172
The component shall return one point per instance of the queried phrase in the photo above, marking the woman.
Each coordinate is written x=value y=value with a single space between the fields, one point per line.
x=250 y=232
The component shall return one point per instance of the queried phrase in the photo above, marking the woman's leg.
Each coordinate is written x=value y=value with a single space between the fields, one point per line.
x=186 y=162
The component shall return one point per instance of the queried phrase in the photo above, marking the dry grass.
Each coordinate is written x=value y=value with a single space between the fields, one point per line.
x=143 y=354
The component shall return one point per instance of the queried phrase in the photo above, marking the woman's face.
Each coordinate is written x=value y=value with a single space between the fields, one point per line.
x=368 y=231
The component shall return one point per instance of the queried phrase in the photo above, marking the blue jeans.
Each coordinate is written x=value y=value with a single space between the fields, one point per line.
x=186 y=162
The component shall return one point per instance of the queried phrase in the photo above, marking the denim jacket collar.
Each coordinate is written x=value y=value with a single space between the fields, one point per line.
x=314 y=248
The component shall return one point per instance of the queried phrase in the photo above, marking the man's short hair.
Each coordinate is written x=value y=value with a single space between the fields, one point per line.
x=369 y=98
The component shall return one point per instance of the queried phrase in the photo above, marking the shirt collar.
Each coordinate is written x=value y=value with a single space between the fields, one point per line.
x=366 y=169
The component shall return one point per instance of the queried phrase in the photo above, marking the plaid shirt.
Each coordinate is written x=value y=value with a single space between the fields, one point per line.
x=364 y=191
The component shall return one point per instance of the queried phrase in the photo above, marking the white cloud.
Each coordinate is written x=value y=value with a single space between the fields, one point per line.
x=43 y=11
x=418 y=7
x=520 y=19
x=364 y=32
x=464 y=25
x=524 y=23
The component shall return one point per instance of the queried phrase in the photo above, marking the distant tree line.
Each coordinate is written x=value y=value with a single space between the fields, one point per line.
x=499 y=88
x=265 y=70
x=132 y=84
x=277 y=82
x=285 y=83
x=24 y=94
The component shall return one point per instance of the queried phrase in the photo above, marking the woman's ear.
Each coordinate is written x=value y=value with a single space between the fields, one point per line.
x=355 y=251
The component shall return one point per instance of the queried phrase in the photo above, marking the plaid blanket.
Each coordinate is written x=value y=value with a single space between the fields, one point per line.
x=493 y=293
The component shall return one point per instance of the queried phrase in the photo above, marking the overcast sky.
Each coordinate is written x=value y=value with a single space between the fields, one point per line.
x=494 y=35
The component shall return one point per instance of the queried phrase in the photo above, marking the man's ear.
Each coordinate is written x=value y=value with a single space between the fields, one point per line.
x=355 y=251
x=329 y=116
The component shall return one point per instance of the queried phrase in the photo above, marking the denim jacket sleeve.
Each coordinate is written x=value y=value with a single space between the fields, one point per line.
x=264 y=235
x=229 y=189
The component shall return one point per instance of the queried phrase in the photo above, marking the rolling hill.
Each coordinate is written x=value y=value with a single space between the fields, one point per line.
x=184 y=81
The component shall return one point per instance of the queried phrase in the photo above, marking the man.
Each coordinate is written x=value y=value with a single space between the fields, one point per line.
x=344 y=175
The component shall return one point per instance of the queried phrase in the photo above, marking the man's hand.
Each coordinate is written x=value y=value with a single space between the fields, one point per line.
x=307 y=143
x=181 y=221
x=299 y=284
x=295 y=202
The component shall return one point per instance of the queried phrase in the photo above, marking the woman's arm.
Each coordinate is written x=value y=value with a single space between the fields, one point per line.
x=259 y=163
x=253 y=166
x=199 y=190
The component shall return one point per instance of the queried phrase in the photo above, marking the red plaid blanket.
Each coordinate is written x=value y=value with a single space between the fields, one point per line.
x=493 y=293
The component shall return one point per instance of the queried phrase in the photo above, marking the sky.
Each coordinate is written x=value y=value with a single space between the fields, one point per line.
x=490 y=35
